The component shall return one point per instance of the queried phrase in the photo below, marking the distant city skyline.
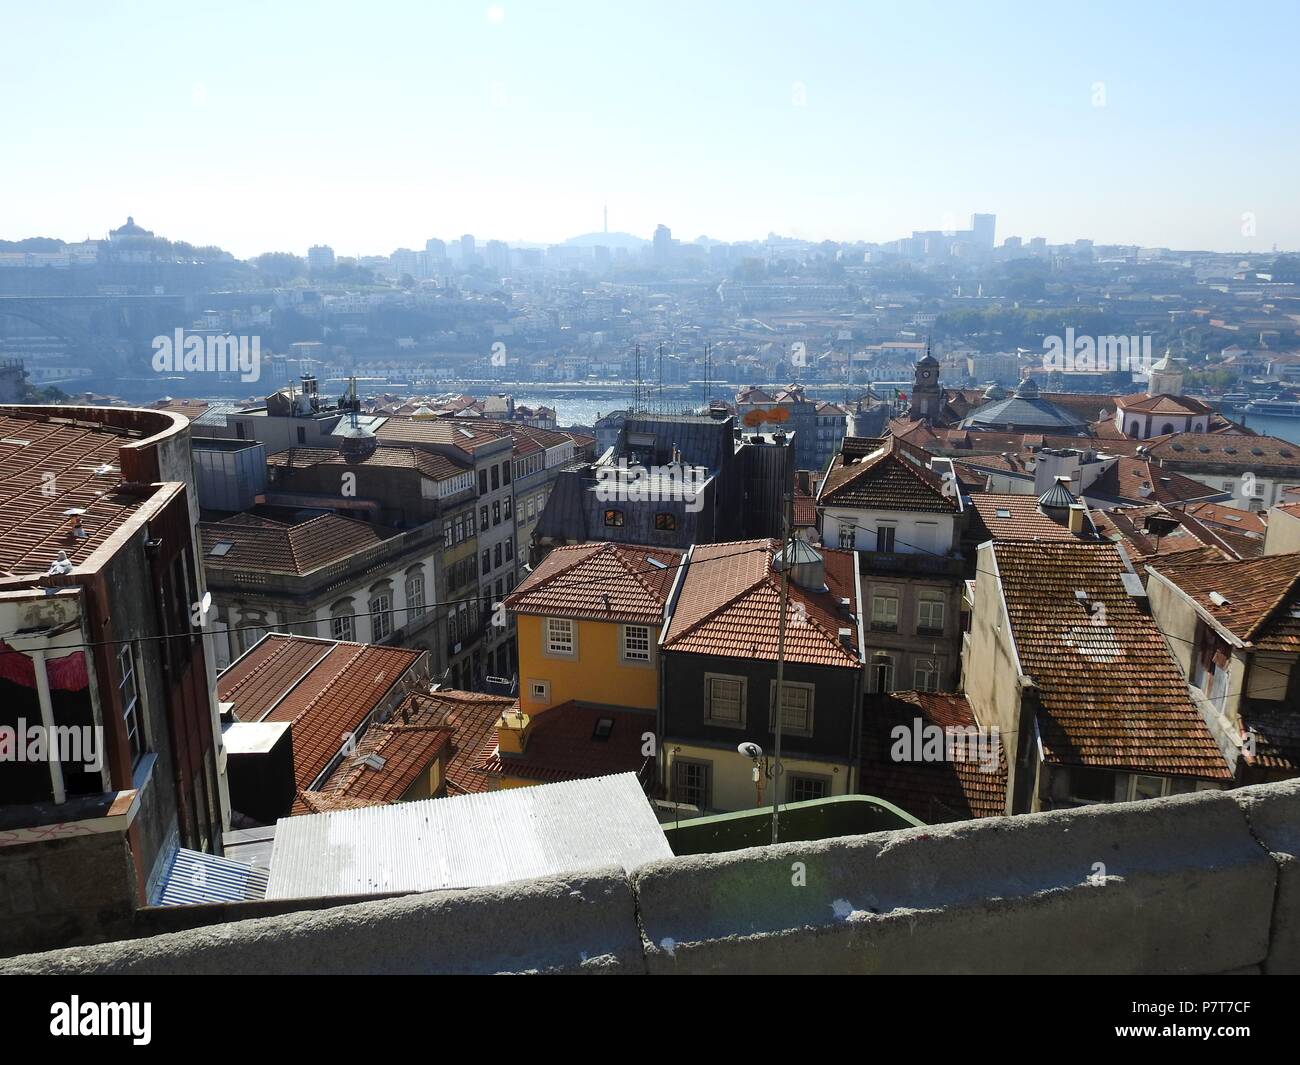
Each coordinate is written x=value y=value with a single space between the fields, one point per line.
x=1158 y=125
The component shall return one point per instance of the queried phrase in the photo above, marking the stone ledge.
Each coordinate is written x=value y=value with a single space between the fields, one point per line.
x=583 y=923
x=1273 y=815
x=1172 y=885
x=1204 y=883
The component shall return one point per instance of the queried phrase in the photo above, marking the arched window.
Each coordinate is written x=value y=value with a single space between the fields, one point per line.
x=342 y=624
x=1168 y=428
x=381 y=611
x=414 y=593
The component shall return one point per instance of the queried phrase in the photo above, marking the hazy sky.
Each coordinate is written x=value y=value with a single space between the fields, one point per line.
x=369 y=126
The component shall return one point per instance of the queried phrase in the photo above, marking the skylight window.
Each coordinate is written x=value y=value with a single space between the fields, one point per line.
x=218 y=550
x=656 y=563
x=465 y=432
x=1002 y=512
x=603 y=728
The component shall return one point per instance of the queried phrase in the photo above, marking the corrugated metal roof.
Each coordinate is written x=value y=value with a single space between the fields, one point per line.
x=198 y=877
x=467 y=841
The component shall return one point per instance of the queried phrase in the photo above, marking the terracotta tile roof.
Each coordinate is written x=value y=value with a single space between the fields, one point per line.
x=325 y=696
x=730 y=605
x=1263 y=597
x=191 y=408
x=1112 y=696
x=1128 y=525
x=1164 y=403
x=932 y=791
x=1142 y=481
x=1228 y=450
x=432 y=464
x=1006 y=516
x=1229 y=517
x=888 y=474
x=1276 y=728
x=270 y=546
x=316 y=802
x=467 y=434
x=472 y=717
x=48 y=467
x=562 y=744
x=407 y=750
x=604 y=582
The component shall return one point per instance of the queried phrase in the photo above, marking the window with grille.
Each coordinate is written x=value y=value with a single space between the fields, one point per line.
x=796 y=708
x=559 y=636
x=341 y=628
x=130 y=700
x=636 y=643
x=614 y=518
x=724 y=700
x=847 y=537
x=805 y=789
x=665 y=521
x=691 y=782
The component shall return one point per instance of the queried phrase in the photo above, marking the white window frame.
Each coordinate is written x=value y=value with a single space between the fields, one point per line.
x=630 y=648
x=567 y=645
x=927 y=607
x=848 y=536
x=131 y=704
x=381 y=616
x=874 y=663
x=709 y=718
x=885 y=596
x=925 y=673
x=343 y=625
x=414 y=596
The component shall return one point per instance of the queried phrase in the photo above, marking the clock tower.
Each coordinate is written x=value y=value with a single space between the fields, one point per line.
x=927 y=396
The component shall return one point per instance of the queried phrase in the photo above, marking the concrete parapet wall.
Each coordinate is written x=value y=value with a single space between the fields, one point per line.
x=1204 y=883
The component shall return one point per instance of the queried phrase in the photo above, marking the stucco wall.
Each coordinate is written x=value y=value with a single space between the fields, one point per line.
x=1204 y=883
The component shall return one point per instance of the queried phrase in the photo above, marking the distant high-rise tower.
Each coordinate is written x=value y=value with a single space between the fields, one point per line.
x=983 y=226
x=320 y=257
x=606 y=218
x=437 y=249
x=467 y=252
x=663 y=244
